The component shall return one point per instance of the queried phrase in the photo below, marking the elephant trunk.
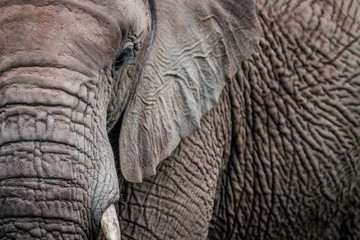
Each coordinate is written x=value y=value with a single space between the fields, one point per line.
x=56 y=165
x=37 y=202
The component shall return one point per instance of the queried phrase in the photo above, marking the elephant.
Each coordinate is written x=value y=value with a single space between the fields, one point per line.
x=160 y=119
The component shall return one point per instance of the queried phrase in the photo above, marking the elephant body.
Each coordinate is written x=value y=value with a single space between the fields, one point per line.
x=285 y=160
x=195 y=119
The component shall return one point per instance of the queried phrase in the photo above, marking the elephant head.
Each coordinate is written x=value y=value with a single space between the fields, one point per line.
x=72 y=71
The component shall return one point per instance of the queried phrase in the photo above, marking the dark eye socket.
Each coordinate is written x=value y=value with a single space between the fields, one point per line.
x=126 y=56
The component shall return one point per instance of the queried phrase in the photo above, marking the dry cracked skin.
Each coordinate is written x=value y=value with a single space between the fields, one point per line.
x=182 y=119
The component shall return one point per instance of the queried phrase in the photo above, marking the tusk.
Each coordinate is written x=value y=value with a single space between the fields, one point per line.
x=110 y=224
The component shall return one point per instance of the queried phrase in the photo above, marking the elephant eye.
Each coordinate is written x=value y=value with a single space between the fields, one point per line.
x=126 y=57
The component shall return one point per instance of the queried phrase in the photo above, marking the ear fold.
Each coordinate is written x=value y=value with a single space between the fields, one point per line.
x=198 y=46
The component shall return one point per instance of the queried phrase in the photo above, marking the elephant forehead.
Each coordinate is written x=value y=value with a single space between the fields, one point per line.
x=83 y=30
x=54 y=31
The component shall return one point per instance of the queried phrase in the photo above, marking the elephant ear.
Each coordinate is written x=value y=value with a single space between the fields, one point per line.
x=197 y=47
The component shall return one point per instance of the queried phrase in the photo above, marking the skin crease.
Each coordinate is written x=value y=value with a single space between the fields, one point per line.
x=276 y=157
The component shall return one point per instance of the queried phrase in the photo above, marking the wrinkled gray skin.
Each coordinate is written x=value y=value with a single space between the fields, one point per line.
x=213 y=138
